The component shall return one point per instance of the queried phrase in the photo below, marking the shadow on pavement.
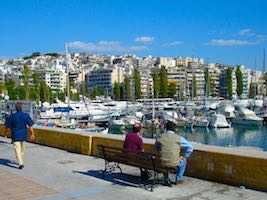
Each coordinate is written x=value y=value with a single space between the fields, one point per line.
x=9 y=163
x=4 y=142
x=118 y=178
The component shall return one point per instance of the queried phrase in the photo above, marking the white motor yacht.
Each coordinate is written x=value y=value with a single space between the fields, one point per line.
x=219 y=121
x=244 y=116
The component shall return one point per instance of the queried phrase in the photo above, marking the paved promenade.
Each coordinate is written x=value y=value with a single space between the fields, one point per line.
x=53 y=174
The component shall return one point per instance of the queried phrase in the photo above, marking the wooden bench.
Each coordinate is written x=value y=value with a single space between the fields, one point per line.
x=114 y=156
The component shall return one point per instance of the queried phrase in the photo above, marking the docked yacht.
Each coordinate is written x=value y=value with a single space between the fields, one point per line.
x=201 y=122
x=228 y=110
x=184 y=122
x=245 y=116
x=219 y=121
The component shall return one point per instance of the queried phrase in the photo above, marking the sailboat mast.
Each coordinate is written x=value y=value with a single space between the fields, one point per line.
x=193 y=75
x=263 y=78
x=255 y=86
x=68 y=78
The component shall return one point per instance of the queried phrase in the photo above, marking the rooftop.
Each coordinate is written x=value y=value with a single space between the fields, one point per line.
x=53 y=174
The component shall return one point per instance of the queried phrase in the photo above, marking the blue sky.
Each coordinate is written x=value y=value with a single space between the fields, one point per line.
x=229 y=31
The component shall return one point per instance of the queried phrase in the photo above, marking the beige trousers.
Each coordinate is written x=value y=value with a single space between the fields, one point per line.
x=19 y=150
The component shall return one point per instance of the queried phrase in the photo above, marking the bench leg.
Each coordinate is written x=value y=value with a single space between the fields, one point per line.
x=117 y=165
x=106 y=169
x=110 y=167
x=162 y=181
x=155 y=181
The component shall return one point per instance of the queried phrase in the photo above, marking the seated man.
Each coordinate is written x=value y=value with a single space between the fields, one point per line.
x=174 y=151
x=134 y=143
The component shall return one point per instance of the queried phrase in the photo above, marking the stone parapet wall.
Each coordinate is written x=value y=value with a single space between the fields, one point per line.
x=233 y=166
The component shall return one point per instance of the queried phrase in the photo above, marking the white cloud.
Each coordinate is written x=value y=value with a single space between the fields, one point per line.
x=138 y=48
x=261 y=38
x=232 y=42
x=104 y=46
x=144 y=39
x=174 y=43
x=246 y=32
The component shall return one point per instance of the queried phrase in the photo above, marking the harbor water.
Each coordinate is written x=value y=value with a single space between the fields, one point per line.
x=236 y=136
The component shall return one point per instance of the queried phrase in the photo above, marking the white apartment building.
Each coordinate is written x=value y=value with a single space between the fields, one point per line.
x=177 y=75
x=246 y=73
x=186 y=60
x=167 y=62
x=55 y=78
x=214 y=74
x=146 y=84
x=223 y=83
x=197 y=71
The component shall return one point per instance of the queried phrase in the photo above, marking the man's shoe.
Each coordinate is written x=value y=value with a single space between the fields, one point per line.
x=21 y=166
x=178 y=182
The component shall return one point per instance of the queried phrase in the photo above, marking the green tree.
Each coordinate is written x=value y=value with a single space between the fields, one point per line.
x=53 y=54
x=212 y=86
x=156 y=83
x=2 y=89
x=95 y=93
x=83 y=89
x=207 y=82
x=45 y=92
x=75 y=96
x=137 y=83
x=229 y=80
x=172 y=90
x=26 y=75
x=11 y=90
x=116 y=91
x=20 y=90
x=61 y=95
x=122 y=92
x=127 y=88
x=239 y=80
x=253 y=90
x=37 y=84
x=163 y=82
x=36 y=54
x=194 y=86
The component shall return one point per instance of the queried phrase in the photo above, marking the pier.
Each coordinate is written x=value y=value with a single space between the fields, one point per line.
x=52 y=173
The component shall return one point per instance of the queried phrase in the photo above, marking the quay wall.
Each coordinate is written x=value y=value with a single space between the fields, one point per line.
x=232 y=166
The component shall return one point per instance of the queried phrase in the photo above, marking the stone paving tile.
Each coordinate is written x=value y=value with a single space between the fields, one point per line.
x=18 y=188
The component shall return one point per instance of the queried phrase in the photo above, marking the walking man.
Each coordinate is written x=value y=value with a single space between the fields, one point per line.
x=174 y=151
x=19 y=123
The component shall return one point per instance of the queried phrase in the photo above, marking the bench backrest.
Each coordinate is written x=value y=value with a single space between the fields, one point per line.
x=140 y=159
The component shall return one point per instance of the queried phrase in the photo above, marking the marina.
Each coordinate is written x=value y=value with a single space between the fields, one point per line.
x=226 y=124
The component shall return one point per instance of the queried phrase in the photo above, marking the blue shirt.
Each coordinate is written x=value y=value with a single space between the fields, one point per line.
x=18 y=123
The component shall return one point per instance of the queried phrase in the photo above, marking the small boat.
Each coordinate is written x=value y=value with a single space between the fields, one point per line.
x=219 y=121
x=116 y=125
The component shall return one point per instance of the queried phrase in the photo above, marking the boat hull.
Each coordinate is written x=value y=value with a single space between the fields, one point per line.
x=247 y=122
